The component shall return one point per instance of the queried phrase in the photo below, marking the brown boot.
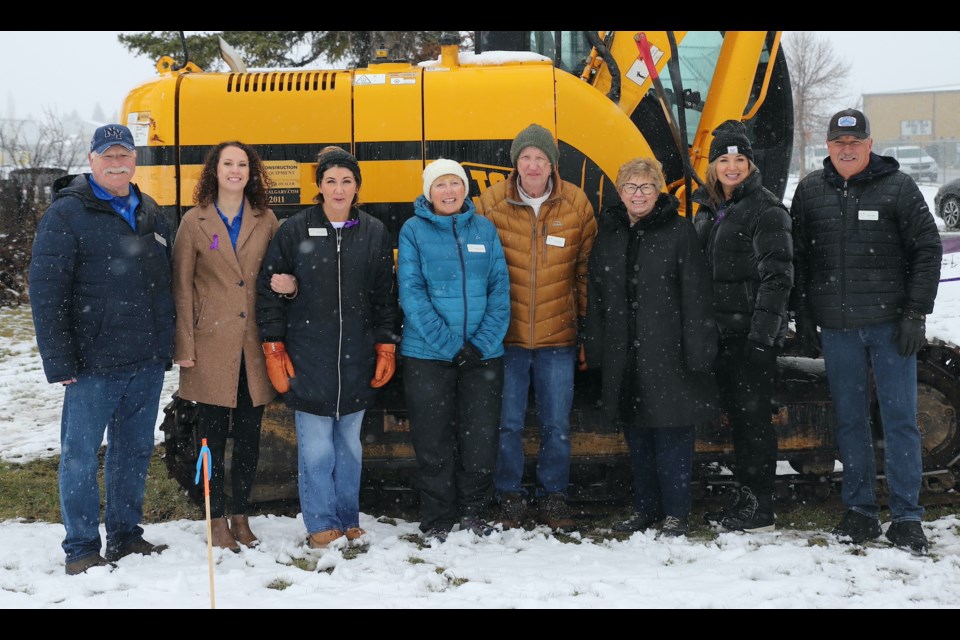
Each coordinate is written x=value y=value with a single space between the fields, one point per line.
x=220 y=535
x=321 y=539
x=240 y=527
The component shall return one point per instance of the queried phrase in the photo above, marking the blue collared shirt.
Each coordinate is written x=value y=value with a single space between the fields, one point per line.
x=126 y=206
x=232 y=229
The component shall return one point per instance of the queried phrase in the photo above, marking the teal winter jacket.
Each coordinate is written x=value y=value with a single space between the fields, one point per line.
x=454 y=285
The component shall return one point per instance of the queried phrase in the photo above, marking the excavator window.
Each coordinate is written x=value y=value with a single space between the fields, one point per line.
x=698 y=54
x=567 y=49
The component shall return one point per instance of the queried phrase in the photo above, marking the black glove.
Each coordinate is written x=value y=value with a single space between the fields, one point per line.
x=911 y=335
x=808 y=339
x=468 y=356
x=758 y=353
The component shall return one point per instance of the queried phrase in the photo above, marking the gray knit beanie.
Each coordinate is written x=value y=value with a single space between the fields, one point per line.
x=535 y=136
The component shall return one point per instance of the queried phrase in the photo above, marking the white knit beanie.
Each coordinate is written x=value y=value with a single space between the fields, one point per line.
x=442 y=167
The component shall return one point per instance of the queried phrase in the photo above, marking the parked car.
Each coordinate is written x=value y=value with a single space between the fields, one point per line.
x=947 y=204
x=915 y=162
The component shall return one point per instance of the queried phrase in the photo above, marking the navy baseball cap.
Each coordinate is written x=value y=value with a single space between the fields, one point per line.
x=109 y=135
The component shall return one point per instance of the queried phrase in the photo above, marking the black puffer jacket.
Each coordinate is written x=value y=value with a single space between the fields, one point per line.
x=649 y=296
x=346 y=302
x=866 y=249
x=750 y=255
x=101 y=292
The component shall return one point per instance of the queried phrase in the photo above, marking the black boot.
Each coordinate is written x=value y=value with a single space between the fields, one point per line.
x=753 y=515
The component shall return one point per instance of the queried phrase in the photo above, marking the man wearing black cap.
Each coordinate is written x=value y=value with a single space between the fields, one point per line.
x=100 y=289
x=547 y=229
x=867 y=260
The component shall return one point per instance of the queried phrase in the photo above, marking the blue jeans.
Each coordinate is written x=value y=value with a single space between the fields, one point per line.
x=124 y=403
x=329 y=457
x=848 y=355
x=662 y=462
x=552 y=371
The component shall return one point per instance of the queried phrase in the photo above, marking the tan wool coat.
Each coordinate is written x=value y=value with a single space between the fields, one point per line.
x=215 y=292
x=547 y=257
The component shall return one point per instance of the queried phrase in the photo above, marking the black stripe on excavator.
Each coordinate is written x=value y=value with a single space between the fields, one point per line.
x=374 y=151
x=495 y=153
x=366 y=151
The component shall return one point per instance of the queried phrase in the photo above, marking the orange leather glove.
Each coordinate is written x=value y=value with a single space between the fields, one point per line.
x=386 y=364
x=279 y=366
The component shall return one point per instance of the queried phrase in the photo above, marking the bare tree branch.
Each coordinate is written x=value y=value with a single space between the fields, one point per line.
x=818 y=79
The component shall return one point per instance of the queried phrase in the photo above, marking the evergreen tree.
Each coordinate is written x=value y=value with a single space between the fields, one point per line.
x=289 y=48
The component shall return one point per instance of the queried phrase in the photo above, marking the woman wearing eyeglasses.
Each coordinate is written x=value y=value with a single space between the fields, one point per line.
x=745 y=230
x=650 y=330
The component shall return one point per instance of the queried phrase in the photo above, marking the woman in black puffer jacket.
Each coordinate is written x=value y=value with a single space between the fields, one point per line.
x=745 y=231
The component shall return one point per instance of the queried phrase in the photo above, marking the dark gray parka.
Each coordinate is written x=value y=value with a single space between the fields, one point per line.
x=649 y=299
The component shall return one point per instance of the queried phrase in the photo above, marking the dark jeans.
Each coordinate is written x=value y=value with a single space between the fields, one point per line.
x=214 y=424
x=454 y=417
x=662 y=462
x=746 y=392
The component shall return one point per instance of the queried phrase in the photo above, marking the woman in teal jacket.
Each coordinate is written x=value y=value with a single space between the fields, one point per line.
x=455 y=296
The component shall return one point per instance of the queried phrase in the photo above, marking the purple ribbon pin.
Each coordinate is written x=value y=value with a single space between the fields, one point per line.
x=351 y=223
x=215 y=243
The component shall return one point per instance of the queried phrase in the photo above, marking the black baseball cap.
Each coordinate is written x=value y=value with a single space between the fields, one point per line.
x=848 y=122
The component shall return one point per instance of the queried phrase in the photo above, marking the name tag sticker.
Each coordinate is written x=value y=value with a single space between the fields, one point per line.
x=869 y=215
x=317 y=231
x=476 y=248
x=160 y=238
x=555 y=241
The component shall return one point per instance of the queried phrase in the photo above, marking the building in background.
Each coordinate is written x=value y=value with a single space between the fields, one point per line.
x=926 y=118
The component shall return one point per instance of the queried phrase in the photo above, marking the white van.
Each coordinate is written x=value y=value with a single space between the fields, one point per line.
x=915 y=162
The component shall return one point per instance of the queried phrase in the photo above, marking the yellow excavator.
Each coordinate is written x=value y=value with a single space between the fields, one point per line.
x=608 y=96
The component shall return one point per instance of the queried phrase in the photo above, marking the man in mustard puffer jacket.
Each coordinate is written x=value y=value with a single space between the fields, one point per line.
x=547 y=228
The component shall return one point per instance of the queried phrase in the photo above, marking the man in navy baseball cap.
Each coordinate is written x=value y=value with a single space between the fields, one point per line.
x=109 y=135
x=103 y=313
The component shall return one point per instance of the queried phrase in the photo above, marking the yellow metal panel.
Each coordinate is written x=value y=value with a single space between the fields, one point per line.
x=387 y=104
x=391 y=181
x=148 y=111
x=290 y=107
x=159 y=182
x=487 y=103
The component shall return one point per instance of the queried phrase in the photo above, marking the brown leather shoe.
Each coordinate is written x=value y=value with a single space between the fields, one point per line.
x=321 y=539
x=220 y=535
x=240 y=527
x=80 y=566
x=354 y=532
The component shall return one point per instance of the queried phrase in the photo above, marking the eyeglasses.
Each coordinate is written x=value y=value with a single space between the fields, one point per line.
x=646 y=189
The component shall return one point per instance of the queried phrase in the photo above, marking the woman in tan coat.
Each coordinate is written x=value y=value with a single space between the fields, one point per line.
x=219 y=247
